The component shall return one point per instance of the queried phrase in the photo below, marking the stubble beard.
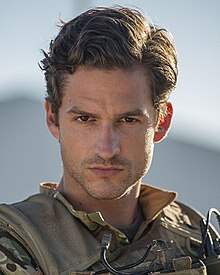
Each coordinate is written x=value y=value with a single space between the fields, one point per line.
x=104 y=188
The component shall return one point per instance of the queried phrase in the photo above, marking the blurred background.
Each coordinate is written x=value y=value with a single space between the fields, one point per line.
x=188 y=161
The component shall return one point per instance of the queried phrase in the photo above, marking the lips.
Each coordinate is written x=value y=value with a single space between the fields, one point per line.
x=105 y=171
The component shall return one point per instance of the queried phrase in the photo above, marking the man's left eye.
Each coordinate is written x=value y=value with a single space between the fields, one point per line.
x=83 y=118
x=129 y=120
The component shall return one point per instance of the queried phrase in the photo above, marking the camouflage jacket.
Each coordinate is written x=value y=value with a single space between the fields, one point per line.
x=45 y=235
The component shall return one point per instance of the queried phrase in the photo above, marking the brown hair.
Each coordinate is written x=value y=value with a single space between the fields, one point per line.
x=110 y=38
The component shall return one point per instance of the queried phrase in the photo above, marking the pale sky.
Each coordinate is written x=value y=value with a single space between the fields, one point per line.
x=27 y=26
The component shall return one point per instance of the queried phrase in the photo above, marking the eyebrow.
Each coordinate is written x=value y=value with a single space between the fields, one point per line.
x=76 y=110
x=136 y=112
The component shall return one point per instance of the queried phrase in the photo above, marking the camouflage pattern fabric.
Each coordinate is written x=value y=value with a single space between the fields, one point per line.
x=14 y=259
x=21 y=247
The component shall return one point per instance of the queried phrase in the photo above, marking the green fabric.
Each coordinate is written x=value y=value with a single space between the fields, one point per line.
x=61 y=244
x=52 y=233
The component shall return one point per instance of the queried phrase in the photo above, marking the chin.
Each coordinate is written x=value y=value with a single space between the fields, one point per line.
x=108 y=195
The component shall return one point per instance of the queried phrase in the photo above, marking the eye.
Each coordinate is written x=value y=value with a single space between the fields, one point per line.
x=84 y=118
x=129 y=120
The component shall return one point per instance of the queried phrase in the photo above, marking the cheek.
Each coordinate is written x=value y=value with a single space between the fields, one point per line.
x=149 y=142
x=145 y=146
x=138 y=144
x=144 y=138
x=75 y=141
x=148 y=149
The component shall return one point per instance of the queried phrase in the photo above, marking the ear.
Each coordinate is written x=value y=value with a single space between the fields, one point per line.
x=163 y=125
x=51 y=120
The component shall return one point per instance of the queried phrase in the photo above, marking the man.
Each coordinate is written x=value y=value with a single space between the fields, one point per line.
x=109 y=74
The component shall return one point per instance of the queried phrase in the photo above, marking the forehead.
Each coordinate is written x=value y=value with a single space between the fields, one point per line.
x=108 y=88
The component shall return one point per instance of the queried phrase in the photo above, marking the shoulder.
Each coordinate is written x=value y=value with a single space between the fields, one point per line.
x=16 y=225
x=39 y=204
x=179 y=213
x=181 y=224
x=14 y=258
x=183 y=220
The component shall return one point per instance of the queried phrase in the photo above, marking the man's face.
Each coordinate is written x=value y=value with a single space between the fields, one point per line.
x=106 y=131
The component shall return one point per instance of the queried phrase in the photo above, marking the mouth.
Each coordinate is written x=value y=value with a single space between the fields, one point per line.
x=105 y=171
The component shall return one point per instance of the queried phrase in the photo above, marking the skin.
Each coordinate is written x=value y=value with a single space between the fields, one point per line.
x=106 y=130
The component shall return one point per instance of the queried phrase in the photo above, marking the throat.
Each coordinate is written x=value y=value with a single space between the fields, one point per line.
x=131 y=230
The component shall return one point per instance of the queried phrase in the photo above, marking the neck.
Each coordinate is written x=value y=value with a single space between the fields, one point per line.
x=118 y=212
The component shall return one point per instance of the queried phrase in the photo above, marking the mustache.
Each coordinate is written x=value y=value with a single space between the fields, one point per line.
x=114 y=161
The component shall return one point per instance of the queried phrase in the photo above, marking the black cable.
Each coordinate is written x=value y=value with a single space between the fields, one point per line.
x=115 y=271
x=206 y=229
x=146 y=254
x=106 y=243
x=106 y=264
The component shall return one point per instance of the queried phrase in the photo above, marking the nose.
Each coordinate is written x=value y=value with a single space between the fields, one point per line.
x=107 y=145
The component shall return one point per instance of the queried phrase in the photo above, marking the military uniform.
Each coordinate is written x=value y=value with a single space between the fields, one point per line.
x=44 y=234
